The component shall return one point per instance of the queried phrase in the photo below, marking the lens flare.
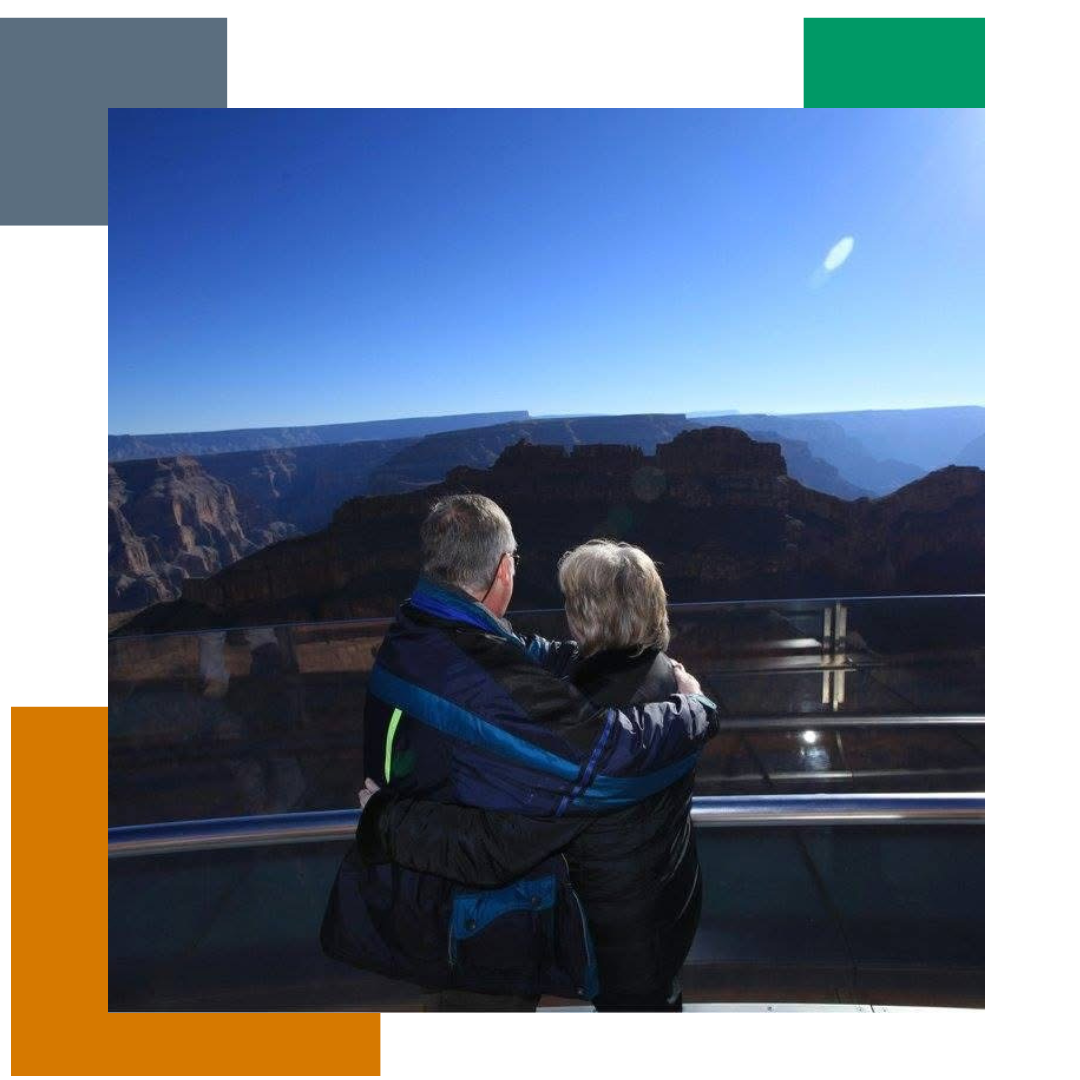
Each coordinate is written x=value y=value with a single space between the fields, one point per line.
x=838 y=254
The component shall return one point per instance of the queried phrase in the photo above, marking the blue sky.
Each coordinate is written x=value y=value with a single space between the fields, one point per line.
x=303 y=267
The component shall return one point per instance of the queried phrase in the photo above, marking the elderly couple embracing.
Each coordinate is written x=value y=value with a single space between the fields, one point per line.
x=525 y=825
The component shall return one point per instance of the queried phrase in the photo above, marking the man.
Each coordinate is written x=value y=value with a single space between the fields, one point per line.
x=462 y=710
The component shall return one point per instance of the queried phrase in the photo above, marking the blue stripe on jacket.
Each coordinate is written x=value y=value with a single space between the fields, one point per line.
x=458 y=722
x=612 y=792
x=599 y=794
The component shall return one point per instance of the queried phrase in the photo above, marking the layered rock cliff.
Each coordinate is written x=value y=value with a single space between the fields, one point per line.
x=170 y=520
x=716 y=509
x=203 y=443
x=288 y=492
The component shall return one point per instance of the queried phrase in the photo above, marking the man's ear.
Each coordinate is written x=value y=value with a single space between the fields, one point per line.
x=504 y=569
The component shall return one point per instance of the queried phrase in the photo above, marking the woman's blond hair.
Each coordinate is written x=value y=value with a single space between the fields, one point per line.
x=615 y=598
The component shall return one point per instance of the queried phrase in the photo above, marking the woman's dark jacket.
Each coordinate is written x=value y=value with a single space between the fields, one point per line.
x=461 y=710
x=635 y=869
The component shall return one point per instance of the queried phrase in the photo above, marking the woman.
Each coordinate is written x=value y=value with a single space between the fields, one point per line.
x=635 y=869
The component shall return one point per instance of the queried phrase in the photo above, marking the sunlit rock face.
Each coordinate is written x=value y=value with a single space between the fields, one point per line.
x=174 y=518
x=716 y=508
x=169 y=520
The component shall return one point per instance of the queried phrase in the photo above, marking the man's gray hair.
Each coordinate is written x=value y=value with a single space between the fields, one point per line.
x=615 y=598
x=462 y=540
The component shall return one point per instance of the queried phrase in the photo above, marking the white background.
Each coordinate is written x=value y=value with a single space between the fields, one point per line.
x=53 y=347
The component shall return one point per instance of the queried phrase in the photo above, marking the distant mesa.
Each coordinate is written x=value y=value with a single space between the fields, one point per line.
x=718 y=509
x=900 y=439
x=429 y=460
x=195 y=443
x=826 y=439
x=974 y=453
x=927 y=438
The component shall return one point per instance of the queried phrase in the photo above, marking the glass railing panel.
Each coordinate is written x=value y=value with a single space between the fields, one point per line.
x=761 y=905
x=269 y=719
x=877 y=756
x=232 y=930
x=928 y=759
x=855 y=913
x=905 y=895
x=873 y=915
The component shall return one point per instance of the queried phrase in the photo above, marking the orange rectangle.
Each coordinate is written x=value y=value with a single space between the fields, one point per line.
x=60 y=1022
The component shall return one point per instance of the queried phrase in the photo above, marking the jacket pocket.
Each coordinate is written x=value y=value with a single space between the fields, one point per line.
x=503 y=930
x=531 y=937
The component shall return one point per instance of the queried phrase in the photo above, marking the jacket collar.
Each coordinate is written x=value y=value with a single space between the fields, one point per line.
x=602 y=665
x=446 y=601
x=621 y=677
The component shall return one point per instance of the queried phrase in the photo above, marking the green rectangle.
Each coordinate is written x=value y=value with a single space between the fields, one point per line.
x=894 y=63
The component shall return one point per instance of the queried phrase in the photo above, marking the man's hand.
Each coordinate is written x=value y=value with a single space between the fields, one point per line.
x=369 y=789
x=686 y=682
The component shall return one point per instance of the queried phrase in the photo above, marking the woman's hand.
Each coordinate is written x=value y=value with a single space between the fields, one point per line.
x=686 y=682
x=365 y=793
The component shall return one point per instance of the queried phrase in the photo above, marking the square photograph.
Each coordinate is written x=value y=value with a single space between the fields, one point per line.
x=546 y=559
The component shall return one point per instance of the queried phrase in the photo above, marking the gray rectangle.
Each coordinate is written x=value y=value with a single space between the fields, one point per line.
x=59 y=78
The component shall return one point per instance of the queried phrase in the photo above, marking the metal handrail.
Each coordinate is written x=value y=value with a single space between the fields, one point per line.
x=946 y=808
x=678 y=605
x=709 y=811
x=825 y=721
x=746 y=725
